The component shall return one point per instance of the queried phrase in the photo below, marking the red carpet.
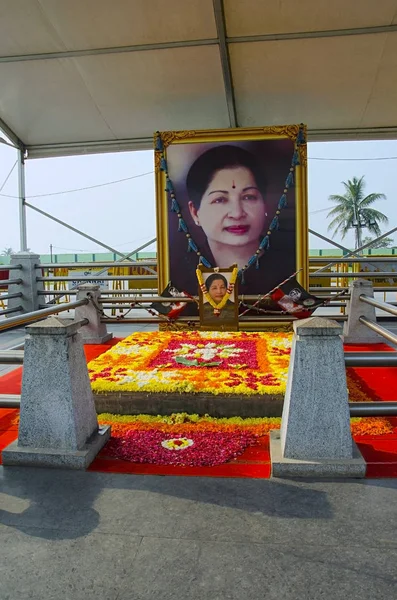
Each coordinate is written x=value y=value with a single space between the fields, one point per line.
x=11 y=383
x=379 y=383
x=380 y=452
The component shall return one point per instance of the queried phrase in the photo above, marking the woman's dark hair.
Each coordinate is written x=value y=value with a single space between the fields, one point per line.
x=214 y=277
x=204 y=168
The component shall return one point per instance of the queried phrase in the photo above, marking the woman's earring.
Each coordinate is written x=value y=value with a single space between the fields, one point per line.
x=197 y=223
x=265 y=214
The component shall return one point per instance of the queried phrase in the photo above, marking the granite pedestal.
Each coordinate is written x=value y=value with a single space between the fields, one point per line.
x=58 y=422
x=29 y=287
x=315 y=437
x=354 y=331
x=94 y=332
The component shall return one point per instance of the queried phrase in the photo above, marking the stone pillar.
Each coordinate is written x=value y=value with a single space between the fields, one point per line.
x=354 y=331
x=315 y=437
x=58 y=423
x=95 y=332
x=29 y=287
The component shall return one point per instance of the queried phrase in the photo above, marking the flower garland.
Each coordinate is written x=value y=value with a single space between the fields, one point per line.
x=274 y=224
x=178 y=426
x=217 y=307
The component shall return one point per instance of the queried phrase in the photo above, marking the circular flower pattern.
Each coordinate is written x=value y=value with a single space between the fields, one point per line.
x=200 y=448
x=177 y=443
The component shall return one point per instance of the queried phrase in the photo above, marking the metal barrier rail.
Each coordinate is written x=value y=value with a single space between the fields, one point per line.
x=382 y=331
x=11 y=267
x=386 y=306
x=148 y=300
x=168 y=300
x=318 y=290
x=95 y=278
x=138 y=292
x=370 y=359
x=10 y=281
x=366 y=275
x=253 y=320
x=106 y=292
x=372 y=409
x=350 y=260
x=7 y=311
x=94 y=265
x=11 y=357
x=9 y=296
x=37 y=315
x=352 y=359
x=356 y=409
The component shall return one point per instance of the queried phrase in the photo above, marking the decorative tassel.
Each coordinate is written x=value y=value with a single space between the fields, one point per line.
x=252 y=260
x=257 y=263
x=182 y=226
x=282 y=203
x=241 y=275
x=205 y=262
x=159 y=143
x=163 y=164
x=175 y=206
x=295 y=159
x=274 y=224
x=265 y=243
x=168 y=186
x=290 y=180
x=192 y=246
x=301 y=136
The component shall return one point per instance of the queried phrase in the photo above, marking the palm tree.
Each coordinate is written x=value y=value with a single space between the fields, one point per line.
x=386 y=242
x=353 y=211
x=7 y=252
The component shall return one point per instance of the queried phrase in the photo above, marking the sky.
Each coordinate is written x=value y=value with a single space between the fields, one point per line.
x=122 y=215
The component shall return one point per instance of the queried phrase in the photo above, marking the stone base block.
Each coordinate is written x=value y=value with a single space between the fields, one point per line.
x=291 y=467
x=26 y=456
x=97 y=340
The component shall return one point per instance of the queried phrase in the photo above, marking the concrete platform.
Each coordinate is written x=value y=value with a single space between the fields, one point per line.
x=93 y=536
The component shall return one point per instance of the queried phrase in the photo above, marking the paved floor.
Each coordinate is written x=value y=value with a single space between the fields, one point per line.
x=71 y=535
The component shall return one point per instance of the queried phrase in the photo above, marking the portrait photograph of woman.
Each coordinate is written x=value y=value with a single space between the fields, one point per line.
x=228 y=193
x=217 y=284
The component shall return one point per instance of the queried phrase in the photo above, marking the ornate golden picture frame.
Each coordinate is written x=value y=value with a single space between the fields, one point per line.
x=255 y=216
x=217 y=282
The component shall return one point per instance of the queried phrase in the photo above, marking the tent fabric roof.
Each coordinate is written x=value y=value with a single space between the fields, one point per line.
x=99 y=75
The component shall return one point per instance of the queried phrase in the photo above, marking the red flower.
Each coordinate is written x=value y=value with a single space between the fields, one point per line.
x=208 y=448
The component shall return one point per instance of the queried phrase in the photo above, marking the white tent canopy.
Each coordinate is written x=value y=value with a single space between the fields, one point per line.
x=101 y=75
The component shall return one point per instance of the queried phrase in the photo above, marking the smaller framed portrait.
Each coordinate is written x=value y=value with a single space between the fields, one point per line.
x=218 y=298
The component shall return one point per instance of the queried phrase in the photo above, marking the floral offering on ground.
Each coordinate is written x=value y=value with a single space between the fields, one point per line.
x=200 y=362
x=190 y=440
x=194 y=362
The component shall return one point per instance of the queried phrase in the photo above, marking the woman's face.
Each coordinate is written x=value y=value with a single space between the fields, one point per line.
x=232 y=209
x=217 y=290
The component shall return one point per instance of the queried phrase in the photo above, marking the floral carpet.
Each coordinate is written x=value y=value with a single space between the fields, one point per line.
x=191 y=445
x=201 y=362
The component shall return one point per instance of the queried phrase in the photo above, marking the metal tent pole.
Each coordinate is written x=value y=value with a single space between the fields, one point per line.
x=23 y=243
